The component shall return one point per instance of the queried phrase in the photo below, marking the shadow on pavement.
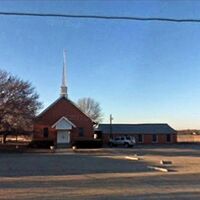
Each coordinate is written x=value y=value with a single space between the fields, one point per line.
x=57 y=164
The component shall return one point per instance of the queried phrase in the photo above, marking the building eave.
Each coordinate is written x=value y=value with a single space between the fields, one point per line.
x=73 y=125
x=57 y=100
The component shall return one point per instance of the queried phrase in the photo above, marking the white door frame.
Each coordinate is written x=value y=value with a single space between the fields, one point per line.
x=63 y=127
x=63 y=137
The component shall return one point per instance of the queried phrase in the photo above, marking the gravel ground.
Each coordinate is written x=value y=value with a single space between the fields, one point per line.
x=103 y=174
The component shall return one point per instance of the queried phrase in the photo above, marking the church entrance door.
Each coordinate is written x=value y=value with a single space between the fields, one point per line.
x=63 y=137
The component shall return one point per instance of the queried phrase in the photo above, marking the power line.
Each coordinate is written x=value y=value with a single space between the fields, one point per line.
x=176 y=20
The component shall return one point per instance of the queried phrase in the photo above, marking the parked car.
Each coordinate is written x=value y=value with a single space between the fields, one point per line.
x=126 y=141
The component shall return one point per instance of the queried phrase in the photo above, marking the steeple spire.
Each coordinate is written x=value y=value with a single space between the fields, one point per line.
x=63 y=91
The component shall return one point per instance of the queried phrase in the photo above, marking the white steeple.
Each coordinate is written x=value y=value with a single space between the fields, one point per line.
x=63 y=91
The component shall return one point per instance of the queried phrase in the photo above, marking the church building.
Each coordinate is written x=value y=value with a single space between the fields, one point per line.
x=63 y=122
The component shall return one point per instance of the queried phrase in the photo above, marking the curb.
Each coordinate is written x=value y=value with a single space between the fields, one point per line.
x=158 y=169
x=132 y=158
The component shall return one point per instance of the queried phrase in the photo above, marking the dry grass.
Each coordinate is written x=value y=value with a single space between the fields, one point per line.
x=19 y=138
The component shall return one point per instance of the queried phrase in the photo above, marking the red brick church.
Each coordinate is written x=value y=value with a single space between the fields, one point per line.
x=63 y=122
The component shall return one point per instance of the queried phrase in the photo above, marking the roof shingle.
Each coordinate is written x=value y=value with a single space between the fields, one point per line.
x=136 y=129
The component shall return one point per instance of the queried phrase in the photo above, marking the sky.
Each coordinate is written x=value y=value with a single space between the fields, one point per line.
x=140 y=72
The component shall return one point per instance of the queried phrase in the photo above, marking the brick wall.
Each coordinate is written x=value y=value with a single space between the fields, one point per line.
x=147 y=138
x=63 y=107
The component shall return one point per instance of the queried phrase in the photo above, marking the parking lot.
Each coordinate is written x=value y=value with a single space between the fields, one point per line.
x=101 y=174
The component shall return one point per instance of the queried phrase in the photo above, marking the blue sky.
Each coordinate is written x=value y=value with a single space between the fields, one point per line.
x=141 y=72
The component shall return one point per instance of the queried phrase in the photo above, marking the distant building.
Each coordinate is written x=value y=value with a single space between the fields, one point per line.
x=188 y=136
x=63 y=122
x=143 y=133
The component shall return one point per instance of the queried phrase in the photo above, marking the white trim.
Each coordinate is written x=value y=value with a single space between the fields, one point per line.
x=48 y=107
x=62 y=97
x=63 y=137
x=54 y=125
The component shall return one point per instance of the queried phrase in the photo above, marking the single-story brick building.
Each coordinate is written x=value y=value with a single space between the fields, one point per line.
x=63 y=122
x=143 y=133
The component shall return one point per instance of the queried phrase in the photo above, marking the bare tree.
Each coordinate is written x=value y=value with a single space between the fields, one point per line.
x=18 y=104
x=90 y=107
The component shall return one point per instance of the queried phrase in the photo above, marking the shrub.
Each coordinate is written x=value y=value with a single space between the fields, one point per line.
x=90 y=143
x=43 y=144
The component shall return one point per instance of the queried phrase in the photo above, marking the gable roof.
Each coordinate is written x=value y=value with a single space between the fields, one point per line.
x=136 y=129
x=63 y=118
x=55 y=102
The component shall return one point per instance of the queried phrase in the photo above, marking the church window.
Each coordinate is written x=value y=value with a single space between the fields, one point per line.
x=46 y=132
x=81 y=132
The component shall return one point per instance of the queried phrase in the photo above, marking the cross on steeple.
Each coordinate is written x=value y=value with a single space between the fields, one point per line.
x=63 y=91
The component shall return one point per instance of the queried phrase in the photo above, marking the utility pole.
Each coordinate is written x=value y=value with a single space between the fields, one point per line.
x=111 y=119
